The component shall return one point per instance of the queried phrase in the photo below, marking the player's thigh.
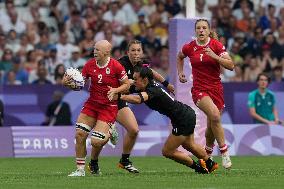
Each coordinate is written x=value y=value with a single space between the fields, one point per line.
x=100 y=134
x=208 y=107
x=127 y=119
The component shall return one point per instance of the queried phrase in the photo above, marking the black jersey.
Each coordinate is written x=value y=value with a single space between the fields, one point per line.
x=125 y=62
x=162 y=102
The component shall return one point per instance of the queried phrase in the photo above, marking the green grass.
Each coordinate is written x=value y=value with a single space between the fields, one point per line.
x=156 y=173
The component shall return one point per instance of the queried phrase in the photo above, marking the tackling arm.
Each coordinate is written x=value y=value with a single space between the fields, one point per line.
x=135 y=99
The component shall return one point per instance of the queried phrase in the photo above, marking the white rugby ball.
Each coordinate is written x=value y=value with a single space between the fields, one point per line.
x=77 y=77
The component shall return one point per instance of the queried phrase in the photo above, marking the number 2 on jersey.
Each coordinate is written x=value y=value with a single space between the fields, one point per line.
x=100 y=76
x=201 y=55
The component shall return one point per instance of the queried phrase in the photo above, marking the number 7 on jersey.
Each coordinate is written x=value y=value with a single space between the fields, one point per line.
x=201 y=55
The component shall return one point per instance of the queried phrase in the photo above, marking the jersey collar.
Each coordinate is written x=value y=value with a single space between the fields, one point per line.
x=204 y=44
x=108 y=59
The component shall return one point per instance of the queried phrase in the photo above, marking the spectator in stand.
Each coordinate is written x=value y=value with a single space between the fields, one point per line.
x=11 y=79
x=44 y=44
x=75 y=61
x=77 y=25
x=31 y=61
x=14 y=23
x=261 y=102
x=58 y=74
x=17 y=68
x=266 y=61
x=42 y=76
x=87 y=44
x=277 y=74
x=64 y=48
x=6 y=61
x=115 y=16
x=252 y=71
x=238 y=77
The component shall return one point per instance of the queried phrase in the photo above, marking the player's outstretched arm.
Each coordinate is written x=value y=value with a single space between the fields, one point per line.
x=125 y=84
x=135 y=99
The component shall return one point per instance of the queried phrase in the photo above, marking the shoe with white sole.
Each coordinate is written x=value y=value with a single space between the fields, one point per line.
x=77 y=173
x=226 y=161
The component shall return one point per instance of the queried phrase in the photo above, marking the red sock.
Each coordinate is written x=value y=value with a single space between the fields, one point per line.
x=209 y=150
x=223 y=148
x=80 y=163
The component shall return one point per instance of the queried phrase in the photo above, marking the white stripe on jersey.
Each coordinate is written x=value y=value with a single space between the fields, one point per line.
x=124 y=77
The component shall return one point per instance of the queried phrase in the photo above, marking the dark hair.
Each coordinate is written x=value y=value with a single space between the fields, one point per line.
x=144 y=72
x=135 y=41
x=265 y=75
x=212 y=34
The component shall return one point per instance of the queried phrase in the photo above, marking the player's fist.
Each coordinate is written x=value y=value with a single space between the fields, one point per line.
x=182 y=78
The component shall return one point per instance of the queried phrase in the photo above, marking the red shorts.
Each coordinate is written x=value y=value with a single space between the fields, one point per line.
x=217 y=96
x=106 y=113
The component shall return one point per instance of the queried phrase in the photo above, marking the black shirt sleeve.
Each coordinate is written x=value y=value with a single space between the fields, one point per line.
x=152 y=92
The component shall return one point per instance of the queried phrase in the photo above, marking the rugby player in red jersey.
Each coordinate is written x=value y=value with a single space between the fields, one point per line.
x=207 y=55
x=107 y=77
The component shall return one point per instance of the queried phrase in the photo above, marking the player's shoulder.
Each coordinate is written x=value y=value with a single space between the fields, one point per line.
x=124 y=59
x=114 y=62
x=215 y=42
x=154 y=87
x=187 y=47
x=190 y=44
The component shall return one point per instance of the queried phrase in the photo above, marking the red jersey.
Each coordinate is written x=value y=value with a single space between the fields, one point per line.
x=205 y=70
x=101 y=77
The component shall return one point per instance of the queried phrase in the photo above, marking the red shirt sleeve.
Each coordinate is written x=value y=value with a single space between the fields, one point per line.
x=187 y=49
x=219 y=48
x=85 y=70
x=120 y=71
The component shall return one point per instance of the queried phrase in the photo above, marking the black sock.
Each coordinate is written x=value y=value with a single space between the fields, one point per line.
x=94 y=162
x=125 y=157
x=194 y=165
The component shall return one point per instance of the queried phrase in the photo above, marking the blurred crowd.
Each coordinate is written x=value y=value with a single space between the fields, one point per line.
x=39 y=39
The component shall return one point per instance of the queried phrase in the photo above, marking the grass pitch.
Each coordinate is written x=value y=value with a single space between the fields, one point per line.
x=156 y=173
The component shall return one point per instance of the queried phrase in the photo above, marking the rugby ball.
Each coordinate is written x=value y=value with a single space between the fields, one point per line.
x=78 y=79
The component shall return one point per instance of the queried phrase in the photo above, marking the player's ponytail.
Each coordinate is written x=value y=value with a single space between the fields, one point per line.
x=213 y=35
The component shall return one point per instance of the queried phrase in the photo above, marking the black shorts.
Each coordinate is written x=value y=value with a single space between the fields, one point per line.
x=121 y=104
x=184 y=125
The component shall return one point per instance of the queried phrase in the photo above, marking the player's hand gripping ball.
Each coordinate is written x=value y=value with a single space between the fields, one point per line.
x=77 y=78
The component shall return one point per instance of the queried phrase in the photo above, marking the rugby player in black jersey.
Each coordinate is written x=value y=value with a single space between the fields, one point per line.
x=182 y=117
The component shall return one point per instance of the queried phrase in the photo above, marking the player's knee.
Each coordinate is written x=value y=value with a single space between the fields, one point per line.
x=215 y=117
x=133 y=133
x=98 y=139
